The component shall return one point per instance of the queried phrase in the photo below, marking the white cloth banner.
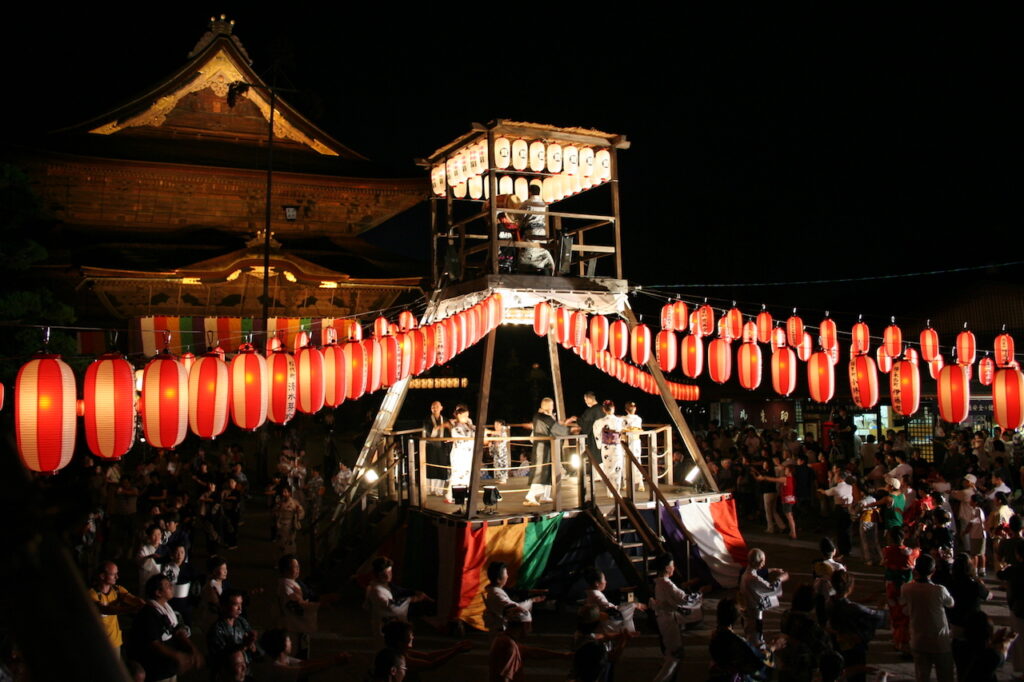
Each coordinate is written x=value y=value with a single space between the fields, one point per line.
x=700 y=527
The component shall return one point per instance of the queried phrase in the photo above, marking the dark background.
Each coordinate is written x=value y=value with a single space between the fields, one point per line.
x=765 y=148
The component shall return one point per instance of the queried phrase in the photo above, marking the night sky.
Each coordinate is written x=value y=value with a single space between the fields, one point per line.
x=765 y=149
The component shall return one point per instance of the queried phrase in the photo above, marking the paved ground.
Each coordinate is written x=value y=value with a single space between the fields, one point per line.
x=344 y=628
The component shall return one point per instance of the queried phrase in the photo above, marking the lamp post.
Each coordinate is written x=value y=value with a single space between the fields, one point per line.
x=236 y=90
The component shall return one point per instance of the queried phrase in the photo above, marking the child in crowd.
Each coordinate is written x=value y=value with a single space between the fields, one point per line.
x=899 y=561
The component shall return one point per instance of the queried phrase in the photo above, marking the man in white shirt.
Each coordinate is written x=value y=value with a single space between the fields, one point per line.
x=842 y=491
x=930 y=639
x=902 y=468
x=963 y=496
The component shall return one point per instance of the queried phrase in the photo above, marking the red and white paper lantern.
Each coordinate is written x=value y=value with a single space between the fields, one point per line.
x=406 y=320
x=986 y=371
x=250 y=388
x=164 y=401
x=929 y=344
x=954 y=393
x=863 y=381
x=666 y=348
x=706 y=319
x=578 y=329
x=905 y=387
x=734 y=323
x=108 y=395
x=821 y=378
x=209 y=396
x=44 y=413
x=795 y=331
x=599 y=333
x=390 y=360
x=861 y=338
x=541 y=318
x=310 y=380
x=719 y=360
x=374 y=364
x=748 y=365
x=828 y=336
x=356 y=369
x=805 y=349
x=1008 y=398
x=966 y=348
x=884 y=360
x=1004 y=350
x=640 y=344
x=563 y=325
x=893 y=341
x=692 y=360
x=618 y=339
x=750 y=332
x=784 y=370
x=764 y=326
x=281 y=373
x=335 y=375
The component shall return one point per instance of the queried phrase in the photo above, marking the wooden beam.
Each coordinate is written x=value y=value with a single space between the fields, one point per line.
x=673 y=410
x=616 y=212
x=556 y=375
x=480 y=419
x=492 y=182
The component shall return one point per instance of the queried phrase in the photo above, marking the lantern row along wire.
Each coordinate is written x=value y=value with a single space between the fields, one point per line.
x=174 y=395
x=924 y=273
x=949 y=348
x=590 y=337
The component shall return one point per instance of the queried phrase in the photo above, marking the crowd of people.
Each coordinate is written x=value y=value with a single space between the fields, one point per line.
x=942 y=533
x=934 y=529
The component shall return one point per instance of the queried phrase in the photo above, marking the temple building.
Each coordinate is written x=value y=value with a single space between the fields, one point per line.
x=160 y=203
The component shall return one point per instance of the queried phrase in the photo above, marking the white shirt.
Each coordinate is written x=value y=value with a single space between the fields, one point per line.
x=1001 y=488
x=842 y=491
x=496 y=601
x=926 y=604
x=901 y=470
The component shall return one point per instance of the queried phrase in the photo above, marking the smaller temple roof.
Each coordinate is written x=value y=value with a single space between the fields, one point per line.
x=249 y=261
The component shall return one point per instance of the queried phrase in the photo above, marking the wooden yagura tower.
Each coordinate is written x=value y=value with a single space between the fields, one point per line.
x=476 y=254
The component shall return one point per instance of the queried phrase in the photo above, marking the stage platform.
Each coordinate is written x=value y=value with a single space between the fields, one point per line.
x=513 y=494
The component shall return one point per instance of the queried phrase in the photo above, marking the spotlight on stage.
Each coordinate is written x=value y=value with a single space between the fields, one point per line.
x=575 y=462
x=692 y=474
x=460 y=494
x=491 y=498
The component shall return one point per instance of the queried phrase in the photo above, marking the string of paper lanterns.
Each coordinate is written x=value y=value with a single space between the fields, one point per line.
x=567 y=170
x=175 y=394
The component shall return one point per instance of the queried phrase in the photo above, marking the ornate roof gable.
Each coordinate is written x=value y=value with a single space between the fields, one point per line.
x=198 y=93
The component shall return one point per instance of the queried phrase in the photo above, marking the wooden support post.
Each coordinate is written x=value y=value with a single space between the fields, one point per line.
x=616 y=212
x=480 y=419
x=421 y=473
x=556 y=376
x=492 y=182
x=435 y=234
x=555 y=447
x=673 y=410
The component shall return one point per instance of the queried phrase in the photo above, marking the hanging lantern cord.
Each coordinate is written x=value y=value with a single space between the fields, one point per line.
x=167 y=340
x=209 y=340
x=46 y=339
